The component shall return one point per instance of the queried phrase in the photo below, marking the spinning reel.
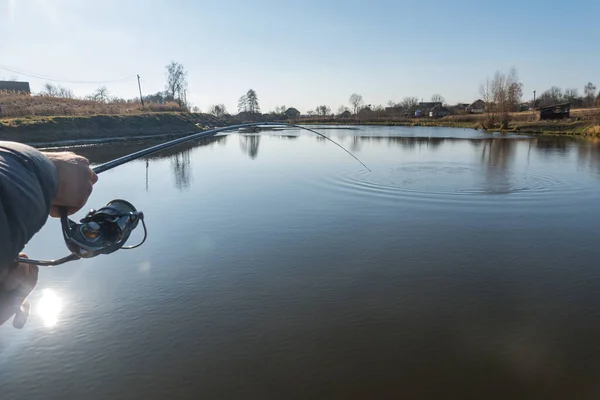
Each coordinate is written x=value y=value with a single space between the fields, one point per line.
x=102 y=231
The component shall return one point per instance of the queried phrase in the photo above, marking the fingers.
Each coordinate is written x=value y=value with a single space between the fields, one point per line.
x=76 y=180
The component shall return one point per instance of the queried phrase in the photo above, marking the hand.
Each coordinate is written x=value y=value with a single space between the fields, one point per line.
x=15 y=285
x=75 y=182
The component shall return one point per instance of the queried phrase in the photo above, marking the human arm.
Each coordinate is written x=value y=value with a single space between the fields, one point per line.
x=33 y=184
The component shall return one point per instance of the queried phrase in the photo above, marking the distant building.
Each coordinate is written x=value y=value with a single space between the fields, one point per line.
x=425 y=108
x=556 y=111
x=292 y=113
x=477 y=107
x=438 y=112
x=14 y=86
x=346 y=114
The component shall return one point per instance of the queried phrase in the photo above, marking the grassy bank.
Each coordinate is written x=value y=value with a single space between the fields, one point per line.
x=95 y=128
x=584 y=122
x=48 y=130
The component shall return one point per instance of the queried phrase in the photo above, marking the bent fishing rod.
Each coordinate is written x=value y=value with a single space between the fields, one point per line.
x=107 y=229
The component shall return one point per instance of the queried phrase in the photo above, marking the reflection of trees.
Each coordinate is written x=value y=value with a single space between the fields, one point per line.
x=180 y=164
x=588 y=154
x=249 y=144
x=497 y=155
x=554 y=145
x=404 y=142
x=101 y=153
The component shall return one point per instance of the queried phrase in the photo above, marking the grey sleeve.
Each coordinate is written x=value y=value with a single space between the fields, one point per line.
x=28 y=183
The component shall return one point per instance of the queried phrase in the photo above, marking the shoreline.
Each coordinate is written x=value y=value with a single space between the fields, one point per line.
x=54 y=132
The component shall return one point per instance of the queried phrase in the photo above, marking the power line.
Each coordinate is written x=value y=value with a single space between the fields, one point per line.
x=55 y=79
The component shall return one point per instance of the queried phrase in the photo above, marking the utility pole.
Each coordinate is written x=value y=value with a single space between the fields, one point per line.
x=140 y=87
x=534 y=99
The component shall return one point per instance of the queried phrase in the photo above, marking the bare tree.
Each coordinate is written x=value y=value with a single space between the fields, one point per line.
x=49 y=90
x=176 y=86
x=391 y=103
x=279 y=110
x=323 y=110
x=356 y=101
x=101 y=95
x=409 y=103
x=342 y=109
x=551 y=96
x=589 y=92
x=438 y=98
x=501 y=95
x=196 y=109
x=218 y=110
x=571 y=96
x=515 y=90
x=249 y=102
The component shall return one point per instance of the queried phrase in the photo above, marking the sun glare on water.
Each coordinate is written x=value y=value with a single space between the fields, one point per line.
x=49 y=307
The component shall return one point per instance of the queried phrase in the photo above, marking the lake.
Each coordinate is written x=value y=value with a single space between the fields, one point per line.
x=464 y=265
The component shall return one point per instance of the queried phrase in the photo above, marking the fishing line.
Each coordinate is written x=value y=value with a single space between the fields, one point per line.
x=151 y=150
x=107 y=229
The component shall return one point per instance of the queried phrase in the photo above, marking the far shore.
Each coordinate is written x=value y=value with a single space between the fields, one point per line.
x=96 y=129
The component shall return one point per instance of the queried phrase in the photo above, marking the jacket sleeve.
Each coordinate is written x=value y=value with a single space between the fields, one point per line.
x=28 y=183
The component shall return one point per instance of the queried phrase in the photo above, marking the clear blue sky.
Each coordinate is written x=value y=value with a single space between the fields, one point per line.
x=304 y=53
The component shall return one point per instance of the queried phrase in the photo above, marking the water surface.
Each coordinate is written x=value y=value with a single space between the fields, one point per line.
x=464 y=265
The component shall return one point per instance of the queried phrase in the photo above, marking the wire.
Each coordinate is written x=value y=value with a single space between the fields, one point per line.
x=55 y=79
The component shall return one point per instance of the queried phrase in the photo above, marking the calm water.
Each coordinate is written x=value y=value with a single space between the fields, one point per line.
x=465 y=265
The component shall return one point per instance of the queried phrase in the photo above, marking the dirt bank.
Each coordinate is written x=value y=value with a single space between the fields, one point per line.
x=44 y=131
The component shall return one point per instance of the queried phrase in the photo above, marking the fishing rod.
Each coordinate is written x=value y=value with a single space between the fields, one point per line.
x=106 y=230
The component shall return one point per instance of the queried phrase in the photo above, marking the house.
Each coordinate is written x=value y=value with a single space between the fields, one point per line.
x=345 y=114
x=556 y=111
x=477 y=107
x=438 y=112
x=425 y=108
x=292 y=113
x=14 y=86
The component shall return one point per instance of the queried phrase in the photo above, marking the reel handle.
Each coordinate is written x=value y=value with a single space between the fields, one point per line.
x=101 y=232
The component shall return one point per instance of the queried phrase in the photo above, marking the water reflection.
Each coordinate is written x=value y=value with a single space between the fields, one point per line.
x=180 y=165
x=49 y=307
x=249 y=144
x=498 y=155
x=589 y=155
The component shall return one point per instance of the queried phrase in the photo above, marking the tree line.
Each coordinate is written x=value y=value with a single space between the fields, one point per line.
x=175 y=91
x=502 y=94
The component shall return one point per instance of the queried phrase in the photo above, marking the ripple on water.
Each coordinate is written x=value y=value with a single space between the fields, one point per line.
x=455 y=182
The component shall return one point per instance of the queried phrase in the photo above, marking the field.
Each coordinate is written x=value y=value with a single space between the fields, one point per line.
x=19 y=105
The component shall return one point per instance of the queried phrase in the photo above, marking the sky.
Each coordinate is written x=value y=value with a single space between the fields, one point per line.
x=301 y=54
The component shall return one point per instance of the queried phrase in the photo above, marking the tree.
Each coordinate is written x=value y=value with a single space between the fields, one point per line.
x=101 y=95
x=438 y=98
x=323 y=110
x=279 y=110
x=391 y=103
x=249 y=102
x=176 y=86
x=571 y=96
x=501 y=95
x=218 y=110
x=409 y=103
x=551 y=96
x=56 y=91
x=342 y=109
x=356 y=101
x=589 y=92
